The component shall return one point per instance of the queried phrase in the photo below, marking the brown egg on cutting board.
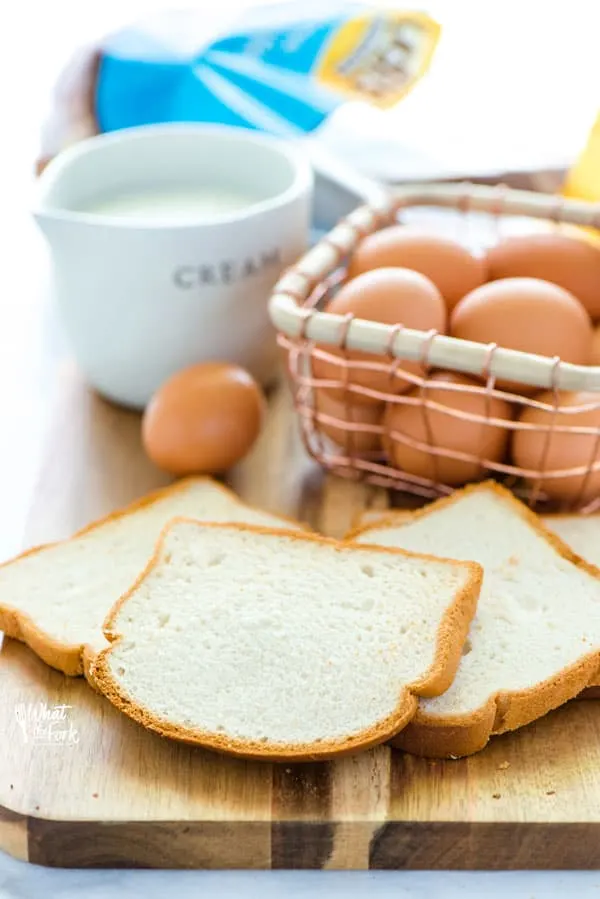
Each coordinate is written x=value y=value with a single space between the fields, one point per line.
x=549 y=450
x=442 y=428
x=569 y=262
x=392 y=296
x=203 y=419
x=453 y=268
x=525 y=314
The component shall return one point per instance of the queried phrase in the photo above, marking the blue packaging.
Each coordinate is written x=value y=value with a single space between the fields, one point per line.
x=273 y=71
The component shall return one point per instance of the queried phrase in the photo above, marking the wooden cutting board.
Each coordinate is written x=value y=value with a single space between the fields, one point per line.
x=112 y=794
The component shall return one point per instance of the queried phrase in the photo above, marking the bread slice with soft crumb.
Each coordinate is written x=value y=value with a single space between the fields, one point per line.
x=370 y=517
x=581 y=532
x=535 y=640
x=56 y=597
x=266 y=644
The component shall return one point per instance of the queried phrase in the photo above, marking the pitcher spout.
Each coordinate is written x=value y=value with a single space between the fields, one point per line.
x=57 y=226
x=59 y=189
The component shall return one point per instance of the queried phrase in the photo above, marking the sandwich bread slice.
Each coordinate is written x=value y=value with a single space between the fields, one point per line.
x=581 y=532
x=56 y=597
x=535 y=640
x=267 y=644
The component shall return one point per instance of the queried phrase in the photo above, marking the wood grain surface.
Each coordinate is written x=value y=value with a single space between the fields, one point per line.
x=117 y=795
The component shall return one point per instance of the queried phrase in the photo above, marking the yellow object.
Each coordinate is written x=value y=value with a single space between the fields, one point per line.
x=583 y=181
x=379 y=57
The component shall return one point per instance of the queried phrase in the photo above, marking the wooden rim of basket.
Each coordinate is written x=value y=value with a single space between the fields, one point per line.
x=297 y=322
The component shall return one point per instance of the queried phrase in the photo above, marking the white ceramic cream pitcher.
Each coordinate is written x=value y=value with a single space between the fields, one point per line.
x=166 y=241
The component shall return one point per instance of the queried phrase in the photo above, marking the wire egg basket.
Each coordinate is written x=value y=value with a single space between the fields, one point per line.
x=358 y=446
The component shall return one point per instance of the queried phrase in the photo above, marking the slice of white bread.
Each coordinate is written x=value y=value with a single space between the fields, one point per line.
x=277 y=645
x=535 y=640
x=376 y=516
x=56 y=597
x=581 y=532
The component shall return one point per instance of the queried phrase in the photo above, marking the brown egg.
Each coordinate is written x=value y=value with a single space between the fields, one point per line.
x=391 y=296
x=349 y=439
x=535 y=451
x=525 y=314
x=453 y=269
x=572 y=263
x=440 y=429
x=202 y=420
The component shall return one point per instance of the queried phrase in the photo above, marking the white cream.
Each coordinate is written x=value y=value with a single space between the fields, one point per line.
x=189 y=204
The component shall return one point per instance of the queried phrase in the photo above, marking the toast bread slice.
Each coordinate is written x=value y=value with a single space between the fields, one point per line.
x=535 y=640
x=581 y=532
x=279 y=645
x=55 y=597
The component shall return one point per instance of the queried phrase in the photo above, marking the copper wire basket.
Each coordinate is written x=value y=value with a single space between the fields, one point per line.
x=306 y=333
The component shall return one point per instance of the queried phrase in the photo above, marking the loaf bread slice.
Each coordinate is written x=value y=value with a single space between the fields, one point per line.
x=535 y=640
x=370 y=517
x=56 y=597
x=277 y=645
x=581 y=532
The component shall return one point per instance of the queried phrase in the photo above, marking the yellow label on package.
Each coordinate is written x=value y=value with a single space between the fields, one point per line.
x=379 y=57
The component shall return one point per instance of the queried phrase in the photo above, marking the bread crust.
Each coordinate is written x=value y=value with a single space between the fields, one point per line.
x=451 y=635
x=359 y=523
x=569 y=516
x=70 y=658
x=453 y=736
